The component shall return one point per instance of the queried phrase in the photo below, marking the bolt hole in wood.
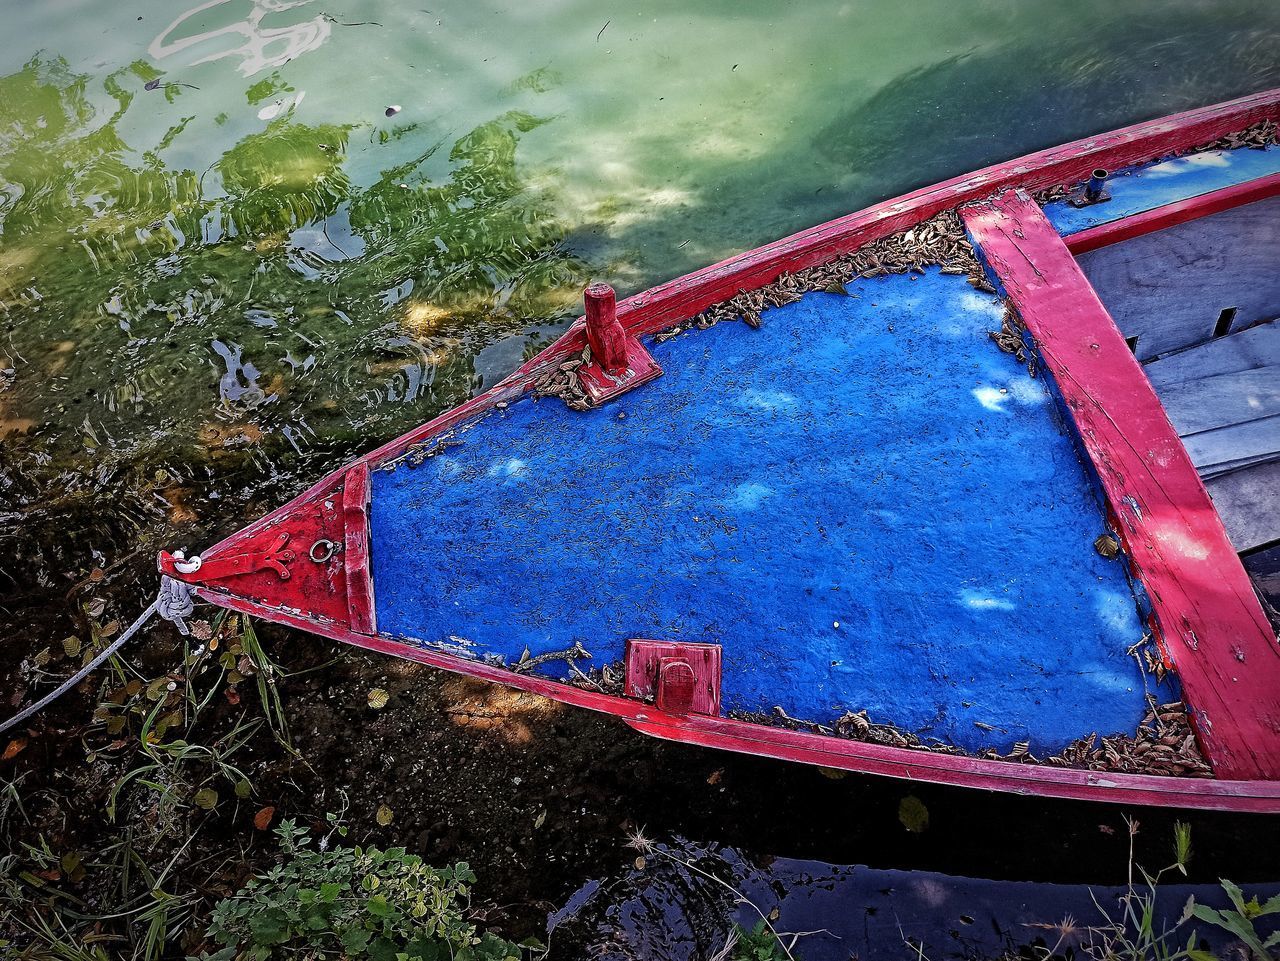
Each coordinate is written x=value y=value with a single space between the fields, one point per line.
x=1223 y=326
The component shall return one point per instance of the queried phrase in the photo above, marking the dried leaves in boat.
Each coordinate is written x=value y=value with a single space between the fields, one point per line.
x=417 y=453
x=1010 y=339
x=1263 y=134
x=562 y=381
x=1163 y=745
x=607 y=679
x=939 y=242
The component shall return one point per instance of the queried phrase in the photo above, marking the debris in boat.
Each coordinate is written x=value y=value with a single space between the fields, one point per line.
x=562 y=381
x=1010 y=339
x=1149 y=658
x=1259 y=136
x=529 y=663
x=607 y=679
x=939 y=242
x=415 y=454
x=392 y=110
x=1162 y=745
x=1107 y=546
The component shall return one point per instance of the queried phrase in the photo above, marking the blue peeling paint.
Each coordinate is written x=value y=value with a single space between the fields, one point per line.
x=865 y=502
x=1138 y=189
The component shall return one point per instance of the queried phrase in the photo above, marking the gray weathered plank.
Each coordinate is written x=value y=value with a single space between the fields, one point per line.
x=1247 y=501
x=1244 y=350
x=1167 y=288
x=1257 y=440
x=1222 y=400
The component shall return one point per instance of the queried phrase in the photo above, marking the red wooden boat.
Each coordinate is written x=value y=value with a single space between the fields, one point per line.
x=964 y=500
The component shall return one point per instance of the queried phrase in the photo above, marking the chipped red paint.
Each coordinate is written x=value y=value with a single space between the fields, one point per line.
x=1170 y=215
x=272 y=556
x=645 y=678
x=355 y=550
x=619 y=361
x=679 y=299
x=1209 y=619
x=318 y=587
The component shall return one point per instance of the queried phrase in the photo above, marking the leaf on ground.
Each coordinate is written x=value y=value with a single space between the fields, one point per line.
x=262 y=820
x=201 y=630
x=835 y=287
x=14 y=748
x=243 y=789
x=206 y=798
x=378 y=698
x=913 y=814
x=385 y=815
x=71 y=646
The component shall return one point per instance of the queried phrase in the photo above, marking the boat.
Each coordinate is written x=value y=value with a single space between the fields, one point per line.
x=964 y=488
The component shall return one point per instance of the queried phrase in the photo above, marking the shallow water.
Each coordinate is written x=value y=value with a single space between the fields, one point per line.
x=227 y=263
x=224 y=268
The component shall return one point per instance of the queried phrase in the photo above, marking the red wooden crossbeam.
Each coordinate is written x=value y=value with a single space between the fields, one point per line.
x=1207 y=616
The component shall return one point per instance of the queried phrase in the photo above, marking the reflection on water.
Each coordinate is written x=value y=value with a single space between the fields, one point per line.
x=255 y=46
x=680 y=903
x=225 y=265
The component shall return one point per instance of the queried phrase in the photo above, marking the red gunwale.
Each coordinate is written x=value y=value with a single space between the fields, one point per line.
x=664 y=305
x=1170 y=215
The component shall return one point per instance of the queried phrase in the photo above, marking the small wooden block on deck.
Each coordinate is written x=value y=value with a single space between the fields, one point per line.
x=681 y=678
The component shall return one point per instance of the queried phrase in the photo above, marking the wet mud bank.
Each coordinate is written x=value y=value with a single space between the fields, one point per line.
x=538 y=797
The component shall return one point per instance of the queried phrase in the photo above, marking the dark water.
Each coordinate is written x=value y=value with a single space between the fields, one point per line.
x=227 y=264
x=680 y=903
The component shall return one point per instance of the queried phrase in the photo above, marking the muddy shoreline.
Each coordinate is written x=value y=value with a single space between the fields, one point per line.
x=537 y=796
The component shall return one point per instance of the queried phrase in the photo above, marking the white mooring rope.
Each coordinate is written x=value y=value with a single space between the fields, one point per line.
x=174 y=604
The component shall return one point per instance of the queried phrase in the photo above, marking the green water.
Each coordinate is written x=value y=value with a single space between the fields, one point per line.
x=224 y=268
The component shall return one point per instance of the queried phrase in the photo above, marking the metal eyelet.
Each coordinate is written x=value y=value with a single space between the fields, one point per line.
x=322 y=550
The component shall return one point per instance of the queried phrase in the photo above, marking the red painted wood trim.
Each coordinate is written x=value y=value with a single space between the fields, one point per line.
x=1170 y=215
x=1210 y=622
x=762 y=740
x=662 y=306
x=355 y=551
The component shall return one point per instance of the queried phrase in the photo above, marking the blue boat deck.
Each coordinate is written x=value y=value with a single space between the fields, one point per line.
x=1138 y=189
x=865 y=502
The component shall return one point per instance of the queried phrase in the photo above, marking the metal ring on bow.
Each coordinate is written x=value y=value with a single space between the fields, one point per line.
x=322 y=550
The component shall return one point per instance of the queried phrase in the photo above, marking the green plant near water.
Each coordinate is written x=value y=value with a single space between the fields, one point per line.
x=1239 y=920
x=1132 y=931
x=354 y=903
x=758 y=944
x=136 y=904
